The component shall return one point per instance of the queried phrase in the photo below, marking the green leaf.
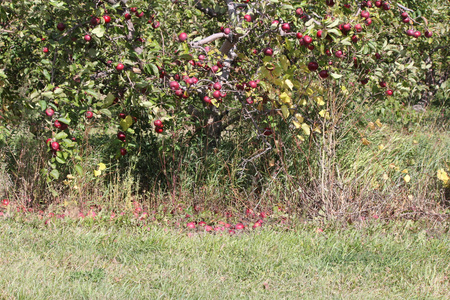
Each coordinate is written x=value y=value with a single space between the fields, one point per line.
x=46 y=74
x=336 y=76
x=65 y=121
x=61 y=135
x=99 y=31
x=60 y=160
x=79 y=170
x=126 y=123
x=55 y=174
x=106 y=112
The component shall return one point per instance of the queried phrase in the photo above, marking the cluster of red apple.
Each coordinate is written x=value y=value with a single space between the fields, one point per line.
x=158 y=126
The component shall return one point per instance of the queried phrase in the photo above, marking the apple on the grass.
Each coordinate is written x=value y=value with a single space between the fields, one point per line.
x=239 y=226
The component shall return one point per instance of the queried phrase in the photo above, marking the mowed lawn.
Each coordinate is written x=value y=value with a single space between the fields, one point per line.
x=376 y=261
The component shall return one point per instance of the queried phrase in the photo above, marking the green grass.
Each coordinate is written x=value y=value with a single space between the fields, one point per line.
x=397 y=260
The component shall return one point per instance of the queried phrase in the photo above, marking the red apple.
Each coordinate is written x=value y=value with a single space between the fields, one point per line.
x=159 y=130
x=45 y=50
x=61 y=26
x=123 y=151
x=299 y=35
x=156 y=24
x=182 y=37
x=121 y=136
x=87 y=37
x=286 y=27
x=89 y=114
x=382 y=84
x=252 y=84
x=239 y=226
x=365 y=14
x=120 y=67
x=127 y=16
x=248 y=18
x=307 y=39
x=107 y=19
x=158 y=123
x=268 y=52
x=55 y=146
x=389 y=92
x=299 y=12
x=339 y=54
x=49 y=112
x=313 y=66
x=207 y=100
x=323 y=74
x=227 y=30
x=267 y=131
x=354 y=39
x=358 y=27
x=174 y=85
x=386 y=6
x=319 y=34
x=122 y=115
x=417 y=34
x=378 y=3
x=368 y=21
x=428 y=34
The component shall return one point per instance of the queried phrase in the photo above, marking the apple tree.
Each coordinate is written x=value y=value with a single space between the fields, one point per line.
x=150 y=71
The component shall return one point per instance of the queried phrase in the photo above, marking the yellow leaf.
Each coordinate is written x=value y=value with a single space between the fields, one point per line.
x=289 y=84
x=101 y=166
x=320 y=101
x=299 y=118
x=284 y=62
x=378 y=123
x=443 y=176
x=70 y=176
x=410 y=197
x=381 y=147
x=365 y=141
x=302 y=102
x=324 y=114
x=317 y=129
x=371 y=125
x=215 y=102
x=309 y=91
x=306 y=129
x=126 y=123
x=407 y=178
x=302 y=139
x=297 y=124
x=285 y=98
x=415 y=142
x=97 y=173
x=385 y=176
x=285 y=111
x=405 y=171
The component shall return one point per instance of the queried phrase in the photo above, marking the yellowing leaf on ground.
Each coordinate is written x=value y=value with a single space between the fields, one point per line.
x=285 y=98
x=365 y=141
x=101 y=166
x=309 y=91
x=381 y=147
x=378 y=122
x=97 y=173
x=126 y=123
x=443 y=176
x=324 y=114
x=371 y=125
x=415 y=142
x=306 y=129
x=405 y=171
x=385 y=176
x=320 y=101
x=407 y=178
x=392 y=166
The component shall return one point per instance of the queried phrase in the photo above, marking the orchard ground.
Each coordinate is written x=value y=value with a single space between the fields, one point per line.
x=98 y=258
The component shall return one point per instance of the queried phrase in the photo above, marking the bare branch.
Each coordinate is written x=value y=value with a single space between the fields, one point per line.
x=208 y=39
